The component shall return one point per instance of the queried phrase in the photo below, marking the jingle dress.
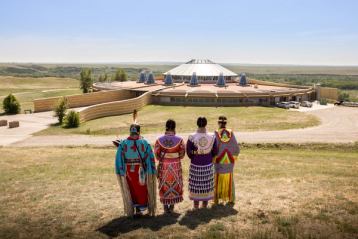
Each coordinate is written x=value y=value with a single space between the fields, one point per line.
x=201 y=148
x=228 y=150
x=169 y=150
x=135 y=169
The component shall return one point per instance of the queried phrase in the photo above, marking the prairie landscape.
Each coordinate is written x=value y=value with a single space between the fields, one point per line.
x=282 y=191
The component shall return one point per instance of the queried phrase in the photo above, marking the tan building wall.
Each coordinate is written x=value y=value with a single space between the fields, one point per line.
x=74 y=101
x=327 y=93
x=115 y=108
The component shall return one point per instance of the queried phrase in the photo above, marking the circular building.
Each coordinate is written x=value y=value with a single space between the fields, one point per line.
x=204 y=83
x=206 y=71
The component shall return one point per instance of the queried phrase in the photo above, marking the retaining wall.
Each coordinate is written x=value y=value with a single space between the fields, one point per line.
x=115 y=108
x=74 y=101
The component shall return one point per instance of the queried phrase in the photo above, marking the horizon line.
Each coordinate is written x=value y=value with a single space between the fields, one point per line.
x=174 y=63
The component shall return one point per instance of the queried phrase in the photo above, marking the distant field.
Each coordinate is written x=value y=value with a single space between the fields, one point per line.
x=332 y=76
x=281 y=192
x=26 y=89
x=153 y=118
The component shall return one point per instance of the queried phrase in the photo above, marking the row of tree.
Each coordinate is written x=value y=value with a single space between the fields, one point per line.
x=86 y=79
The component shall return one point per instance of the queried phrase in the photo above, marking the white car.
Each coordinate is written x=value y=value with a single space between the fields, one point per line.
x=285 y=105
x=294 y=104
x=306 y=104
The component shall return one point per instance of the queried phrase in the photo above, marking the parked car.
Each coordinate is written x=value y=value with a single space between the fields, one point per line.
x=294 y=104
x=285 y=105
x=306 y=104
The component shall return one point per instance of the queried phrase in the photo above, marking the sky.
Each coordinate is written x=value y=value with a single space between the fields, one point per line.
x=301 y=32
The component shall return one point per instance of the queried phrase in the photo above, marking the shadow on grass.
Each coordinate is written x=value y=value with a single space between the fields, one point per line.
x=192 y=219
x=123 y=225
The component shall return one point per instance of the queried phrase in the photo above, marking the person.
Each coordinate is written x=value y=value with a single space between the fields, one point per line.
x=169 y=149
x=136 y=173
x=201 y=148
x=228 y=150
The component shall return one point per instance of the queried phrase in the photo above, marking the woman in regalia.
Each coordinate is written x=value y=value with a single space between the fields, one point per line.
x=169 y=149
x=136 y=173
x=201 y=149
x=228 y=150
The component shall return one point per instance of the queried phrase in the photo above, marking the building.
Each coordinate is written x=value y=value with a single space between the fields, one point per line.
x=206 y=71
x=202 y=82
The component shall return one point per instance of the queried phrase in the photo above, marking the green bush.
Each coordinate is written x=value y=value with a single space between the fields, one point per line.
x=11 y=105
x=60 y=109
x=323 y=101
x=72 y=120
x=343 y=96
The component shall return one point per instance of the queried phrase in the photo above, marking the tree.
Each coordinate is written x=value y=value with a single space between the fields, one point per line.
x=120 y=75
x=86 y=80
x=11 y=105
x=60 y=109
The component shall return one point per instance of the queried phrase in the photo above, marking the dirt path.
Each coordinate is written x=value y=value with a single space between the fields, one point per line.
x=339 y=125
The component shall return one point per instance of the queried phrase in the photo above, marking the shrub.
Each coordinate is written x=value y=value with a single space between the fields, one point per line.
x=323 y=101
x=343 y=96
x=60 y=109
x=72 y=120
x=11 y=105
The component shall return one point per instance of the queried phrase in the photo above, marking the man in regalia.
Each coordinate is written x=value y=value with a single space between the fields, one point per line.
x=228 y=150
x=136 y=173
x=201 y=149
x=169 y=150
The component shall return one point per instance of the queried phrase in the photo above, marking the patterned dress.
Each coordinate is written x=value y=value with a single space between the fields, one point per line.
x=135 y=168
x=201 y=148
x=169 y=150
x=224 y=165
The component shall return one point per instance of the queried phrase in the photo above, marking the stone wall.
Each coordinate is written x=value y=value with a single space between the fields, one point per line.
x=115 y=108
x=74 y=101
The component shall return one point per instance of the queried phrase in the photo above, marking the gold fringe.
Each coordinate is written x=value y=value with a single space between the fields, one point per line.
x=152 y=193
x=126 y=195
x=223 y=187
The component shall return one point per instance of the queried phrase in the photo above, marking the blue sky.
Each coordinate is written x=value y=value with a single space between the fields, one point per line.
x=305 y=32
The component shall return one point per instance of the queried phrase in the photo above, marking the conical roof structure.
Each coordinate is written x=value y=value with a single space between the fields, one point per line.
x=194 y=80
x=221 y=81
x=243 y=81
x=201 y=68
x=150 y=79
x=142 y=77
x=168 y=79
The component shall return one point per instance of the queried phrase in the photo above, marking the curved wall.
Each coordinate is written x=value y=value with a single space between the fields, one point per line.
x=74 y=101
x=115 y=108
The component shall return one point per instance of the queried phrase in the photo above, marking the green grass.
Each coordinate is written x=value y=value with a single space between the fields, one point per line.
x=152 y=119
x=282 y=191
x=26 y=89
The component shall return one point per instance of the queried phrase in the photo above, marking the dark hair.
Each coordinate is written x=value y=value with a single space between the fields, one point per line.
x=222 y=121
x=201 y=122
x=133 y=128
x=170 y=125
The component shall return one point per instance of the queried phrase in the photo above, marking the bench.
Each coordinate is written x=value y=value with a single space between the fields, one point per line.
x=3 y=123
x=14 y=124
x=28 y=111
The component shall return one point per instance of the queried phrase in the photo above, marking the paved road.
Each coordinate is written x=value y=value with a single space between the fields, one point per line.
x=29 y=124
x=339 y=125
